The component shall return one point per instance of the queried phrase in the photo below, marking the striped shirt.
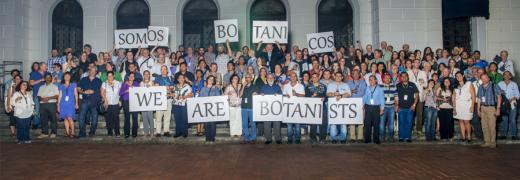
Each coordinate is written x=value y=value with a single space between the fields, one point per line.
x=390 y=94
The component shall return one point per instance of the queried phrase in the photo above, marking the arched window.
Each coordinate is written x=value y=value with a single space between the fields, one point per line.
x=67 y=26
x=337 y=16
x=197 y=23
x=133 y=14
x=267 y=10
x=456 y=32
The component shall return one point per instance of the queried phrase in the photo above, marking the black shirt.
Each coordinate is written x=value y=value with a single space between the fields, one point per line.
x=407 y=91
x=247 y=97
x=187 y=75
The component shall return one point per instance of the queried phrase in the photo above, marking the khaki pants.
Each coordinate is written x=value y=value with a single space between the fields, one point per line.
x=355 y=131
x=235 y=121
x=163 y=119
x=489 y=124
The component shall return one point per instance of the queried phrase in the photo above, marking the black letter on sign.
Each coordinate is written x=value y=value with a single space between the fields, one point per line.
x=122 y=39
x=234 y=31
x=352 y=109
x=330 y=39
x=157 y=98
x=208 y=109
x=132 y=36
x=310 y=43
x=141 y=39
x=263 y=108
x=220 y=30
x=332 y=111
x=197 y=109
x=145 y=99
x=279 y=107
x=220 y=109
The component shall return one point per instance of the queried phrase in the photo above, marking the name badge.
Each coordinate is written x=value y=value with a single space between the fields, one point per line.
x=67 y=98
x=483 y=99
x=387 y=99
x=405 y=97
x=245 y=100
x=371 y=101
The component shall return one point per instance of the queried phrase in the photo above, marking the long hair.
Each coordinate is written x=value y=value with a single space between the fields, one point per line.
x=444 y=88
x=463 y=79
x=63 y=77
x=19 y=86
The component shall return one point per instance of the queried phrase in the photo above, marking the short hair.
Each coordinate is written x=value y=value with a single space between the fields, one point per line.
x=87 y=46
x=214 y=79
x=18 y=87
x=15 y=70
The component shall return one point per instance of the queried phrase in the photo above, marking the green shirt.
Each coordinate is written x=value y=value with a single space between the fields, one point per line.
x=495 y=77
x=117 y=76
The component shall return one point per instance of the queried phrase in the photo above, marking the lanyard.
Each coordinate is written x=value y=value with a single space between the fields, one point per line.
x=372 y=93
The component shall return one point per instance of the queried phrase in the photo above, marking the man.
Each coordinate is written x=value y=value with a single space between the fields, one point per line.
x=358 y=87
x=89 y=88
x=144 y=60
x=163 y=118
x=48 y=95
x=293 y=89
x=419 y=78
x=132 y=68
x=338 y=89
x=125 y=66
x=248 y=125
x=230 y=71
x=506 y=64
x=157 y=67
x=390 y=91
x=512 y=94
x=318 y=90
x=480 y=63
x=475 y=122
x=489 y=100
x=210 y=55
x=378 y=57
x=92 y=57
x=271 y=89
x=369 y=55
x=387 y=51
x=405 y=104
x=183 y=70
x=119 y=58
x=36 y=79
x=190 y=60
x=200 y=53
x=374 y=101
x=271 y=57
x=55 y=58
x=301 y=65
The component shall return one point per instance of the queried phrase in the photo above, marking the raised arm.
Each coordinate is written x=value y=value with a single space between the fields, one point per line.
x=230 y=52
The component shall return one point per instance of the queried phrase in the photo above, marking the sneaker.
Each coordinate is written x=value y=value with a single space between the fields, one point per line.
x=267 y=142
x=289 y=142
x=27 y=142
x=514 y=138
x=408 y=140
x=298 y=142
x=334 y=142
x=166 y=134
x=52 y=136
x=157 y=135
x=43 y=136
x=278 y=142
x=343 y=142
x=502 y=137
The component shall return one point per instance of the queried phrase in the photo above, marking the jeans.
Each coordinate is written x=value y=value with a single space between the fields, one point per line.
x=22 y=129
x=387 y=118
x=509 y=123
x=405 y=123
x=334 y=132
x=181 y=120
x=211 y=131
x=272 y=127
x=127 y=124
x=247 y=121
x=87 y=110
x=430 y=121
x=322 y=128
x=293 y=132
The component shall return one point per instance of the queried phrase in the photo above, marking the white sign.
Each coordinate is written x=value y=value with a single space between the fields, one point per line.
x=302 y=110
x=270 y=31
x=158 y=35
x=345 y=111
x=320 y=42
x=208 y=109
x=226 y=29
x=147 y=98
x=267 y=108
x=134 y=38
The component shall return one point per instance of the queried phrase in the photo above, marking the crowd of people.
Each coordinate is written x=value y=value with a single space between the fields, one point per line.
x=426 y=91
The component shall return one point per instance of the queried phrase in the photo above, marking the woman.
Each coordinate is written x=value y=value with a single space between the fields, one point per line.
x=359 y=57
x=215 y=72
x=198 y=84
x=445 y=109
x=326 y=62
x=430 y=110
x=306 y=80
x=288 y=63
x=250 y=70
x=463 y=101
x=110 y=67
x=124 y=93
x=110 y=94
x=210 y=90
x=262 y=78
x=148 y=122
x=17 y=79
x=453 y=68
x=241 y=68
x=181 y=91
x=280 y=77
x=232 y=91
x=69 y=60
x=23 y=106
x=68 y=103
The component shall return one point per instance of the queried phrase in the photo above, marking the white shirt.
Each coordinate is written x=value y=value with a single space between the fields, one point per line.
x=506 y=66
x=156 y=69
x=112 y=92
x=342 y=88
x=420 y=79
x=511 y=89
x=48 y=91
x=288 y=89
x=145 y=63
x=181 y=91
x=24 y=107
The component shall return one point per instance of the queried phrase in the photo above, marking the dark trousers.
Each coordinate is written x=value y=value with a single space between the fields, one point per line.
x=22 y=129
x=446 y=124
x=134 y=124
x=181 y=120
x=112 y=120
x=323 y=127
x=419 y=118
x=475 y=123
x=211 y=131
x=371 y=122
x=87 y=110
x=48 y=113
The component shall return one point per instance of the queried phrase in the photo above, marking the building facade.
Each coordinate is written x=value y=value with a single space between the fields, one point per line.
x=30 y=28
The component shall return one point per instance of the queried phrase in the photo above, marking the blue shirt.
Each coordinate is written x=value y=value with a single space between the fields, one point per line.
x=213 y=91
x=137 y=75
x=374 y=96
x=163 y=81
x=35 y=75
x=510 y=90
x=270 y=90
x=95 y=85
x=486 y=96
x=360 y=86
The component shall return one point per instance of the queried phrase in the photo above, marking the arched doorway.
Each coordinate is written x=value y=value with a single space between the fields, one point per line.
x=133 y=14
x=266 y=10
x=67 y=26
x=337 y=16
x=197 y=23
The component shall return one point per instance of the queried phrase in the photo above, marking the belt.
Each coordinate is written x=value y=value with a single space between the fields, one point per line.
x=372 y=105
x=489 y=105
